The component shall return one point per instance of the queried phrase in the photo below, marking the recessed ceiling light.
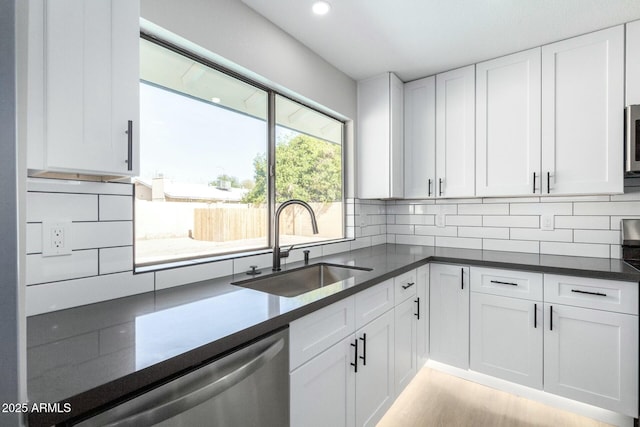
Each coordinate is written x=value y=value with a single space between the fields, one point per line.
x=215 y=99
x=321 y=8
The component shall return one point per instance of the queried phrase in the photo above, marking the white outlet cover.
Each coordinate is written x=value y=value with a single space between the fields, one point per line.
x=56 y=238
x=440 y=220
x=546 y=222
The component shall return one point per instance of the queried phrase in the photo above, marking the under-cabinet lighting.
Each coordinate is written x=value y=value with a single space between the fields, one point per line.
x=321 y=8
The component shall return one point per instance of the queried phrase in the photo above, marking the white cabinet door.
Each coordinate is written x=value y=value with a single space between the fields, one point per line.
x=508 y=125
x=506 y=338
x=375 y=377
x=422 y=339
x=449 y=314
x=90 y=87
x=380 y=151
x=455 y=133
x=406 y=323
x=582 y=114
x=420 y=138
x=592 y=356
x=632 y=61
x=323 y=389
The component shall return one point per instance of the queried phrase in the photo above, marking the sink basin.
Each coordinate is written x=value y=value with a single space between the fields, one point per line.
x=302 y=280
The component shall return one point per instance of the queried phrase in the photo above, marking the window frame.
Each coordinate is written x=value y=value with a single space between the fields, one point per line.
x=271 y=162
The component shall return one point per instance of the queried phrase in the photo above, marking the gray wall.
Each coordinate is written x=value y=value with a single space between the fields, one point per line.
x=9 y=291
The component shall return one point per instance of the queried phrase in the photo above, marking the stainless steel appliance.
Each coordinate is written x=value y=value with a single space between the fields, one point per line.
x=632 y=136
x=249 y=387
x=631 y=241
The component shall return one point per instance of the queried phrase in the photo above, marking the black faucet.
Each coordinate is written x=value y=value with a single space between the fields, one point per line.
x=277 y=253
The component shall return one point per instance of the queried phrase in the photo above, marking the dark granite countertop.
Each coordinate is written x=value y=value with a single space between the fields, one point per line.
x=94 y=355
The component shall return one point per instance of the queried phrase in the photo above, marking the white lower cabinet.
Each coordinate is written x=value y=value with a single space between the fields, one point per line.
x=506 y=338
x=449 y=314
x=422 y=328
x=406 y=323
x=592 y=356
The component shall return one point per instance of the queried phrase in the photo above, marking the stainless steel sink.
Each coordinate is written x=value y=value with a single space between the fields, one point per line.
x=302 y=280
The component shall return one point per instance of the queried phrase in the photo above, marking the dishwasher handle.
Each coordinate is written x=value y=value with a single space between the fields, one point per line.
x=169 y=408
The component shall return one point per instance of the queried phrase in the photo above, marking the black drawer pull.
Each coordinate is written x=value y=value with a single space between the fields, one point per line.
x=440 y=186
x=548 y=182
x=534 y=183
x=429 y=187
x=129 y=145
x=355 y=356
x=417 y=313
x=551 y=318
x=364 y=349
x=462 y=278
x=504 y=283
x=535 y=316
x=408 y=285
x=578 y=291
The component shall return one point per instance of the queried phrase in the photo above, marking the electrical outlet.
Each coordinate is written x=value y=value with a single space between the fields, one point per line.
x=56 y=238
x=440 y=220
x=546 y=222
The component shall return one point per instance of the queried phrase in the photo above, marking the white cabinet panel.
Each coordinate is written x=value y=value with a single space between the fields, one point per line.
x=582 y=114
x=455 y=133
x=509 y=283
x=508 y=125
x=374 y=301
x=422 y=340
x=380 y=137
x=632 y=61
x=406 y=323
x=420 y=138
x=592 y=356
x=375 y=377
x=323 y=390
x=506 y=338
x=449 y=314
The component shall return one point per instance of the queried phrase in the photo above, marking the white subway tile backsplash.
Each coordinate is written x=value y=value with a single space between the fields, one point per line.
x=511 y=245
x=616 y=221
x=607 y=208
x=297 y=254
x=511 y=200
x=116 y=260
x=465 y=220
x=192 y=273
x=243 y=264
x=78 y=187
x=542 y=235
x=524 y=221
x=556 y=199
x=116 y=208
x=60 y=295
x=484 y=232
x=61 y=206
x=55 y=268
x=400 y=228
x=379 y=239
x=616 y=251
x=415 y=240
x=86 y=235
x=584 y=222
x=484 y=209
x=458 y=242
x=400 y=209
x=430 y=230
x=597 y=236
x=334 y=248
x=575 y=249
x=446 y=209
x=455 y=201
x=360 y=243
x=628 y=196
x=541 y=208
x=415 y=219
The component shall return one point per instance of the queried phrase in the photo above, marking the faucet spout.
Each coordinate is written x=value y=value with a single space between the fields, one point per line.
x=276 y=228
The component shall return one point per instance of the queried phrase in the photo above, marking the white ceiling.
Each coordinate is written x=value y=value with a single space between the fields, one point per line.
x=417 y=38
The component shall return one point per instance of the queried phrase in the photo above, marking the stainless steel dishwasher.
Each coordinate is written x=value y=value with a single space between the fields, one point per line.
x=249 y=387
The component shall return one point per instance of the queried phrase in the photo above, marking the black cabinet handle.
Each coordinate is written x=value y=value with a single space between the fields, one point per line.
x=130 y=145
x=417 y=313
x=551 y=318
x=429 y=188
x=535 y=316
x=462 y=277
x=440 y=186
x=578 y=291
x=355 y=356
x=504 y=283
x=408 y=285
x=548 y=182
x=534 y=183
x=364 y=349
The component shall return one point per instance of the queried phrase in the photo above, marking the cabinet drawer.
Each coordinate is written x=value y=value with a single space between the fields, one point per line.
x=509 y=283
x=601 y=294
x=374 y=301
x=312 y=334
x=405 y=286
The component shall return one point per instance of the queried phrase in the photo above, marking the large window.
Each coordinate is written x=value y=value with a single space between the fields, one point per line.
x=210 y=144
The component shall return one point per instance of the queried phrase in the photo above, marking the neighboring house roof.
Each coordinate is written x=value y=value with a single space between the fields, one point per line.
x=201 y=192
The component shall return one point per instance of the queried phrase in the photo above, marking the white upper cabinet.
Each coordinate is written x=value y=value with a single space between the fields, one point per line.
x=582 y=114
x=455 y=133
x=83 y=96
x=380 y=150
x=420 y=138
x=508 y=125
x=632 y=60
